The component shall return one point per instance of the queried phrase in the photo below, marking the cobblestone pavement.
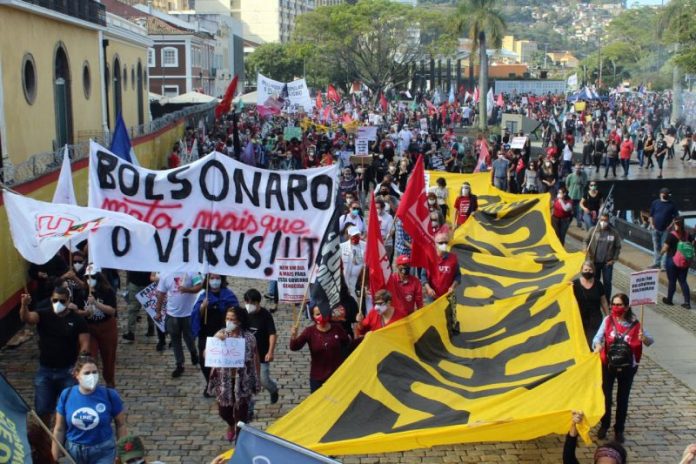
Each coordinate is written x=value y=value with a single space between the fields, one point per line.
x=180 y=426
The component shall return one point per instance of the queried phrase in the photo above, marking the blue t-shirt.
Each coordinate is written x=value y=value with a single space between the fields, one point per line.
x=663 y=212
x=88 y=417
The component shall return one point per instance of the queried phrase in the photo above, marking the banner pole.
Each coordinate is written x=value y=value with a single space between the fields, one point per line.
x=642 y=316
x=50 y=434
x=295 y=312
x=205 y=313
x=362 y=289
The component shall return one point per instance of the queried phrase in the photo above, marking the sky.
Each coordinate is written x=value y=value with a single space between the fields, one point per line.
x=647 y=2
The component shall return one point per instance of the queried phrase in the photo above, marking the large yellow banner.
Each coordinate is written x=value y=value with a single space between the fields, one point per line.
x=504 y=358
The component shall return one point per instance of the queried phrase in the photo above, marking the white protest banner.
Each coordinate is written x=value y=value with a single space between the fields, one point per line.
x=267 y=88
x=292 y=279
x=298 y=94
x=213 y=215
x=362 y=147
x=644 y=287
x=367 y=133
x=148 y=298
x=424 y=124
x=518 y=143
x=224 y=353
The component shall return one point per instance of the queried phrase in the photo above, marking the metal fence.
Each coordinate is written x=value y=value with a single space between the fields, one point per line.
x=40 y=164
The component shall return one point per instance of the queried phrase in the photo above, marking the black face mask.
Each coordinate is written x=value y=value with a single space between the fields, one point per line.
x=588 y=275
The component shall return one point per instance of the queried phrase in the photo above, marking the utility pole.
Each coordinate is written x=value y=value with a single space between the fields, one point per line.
x=546 y=51
x=600 y=61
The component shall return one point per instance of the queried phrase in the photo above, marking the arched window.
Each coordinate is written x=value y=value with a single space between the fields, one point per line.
x=117 y=87
x=141 y=103
x=86 y=80
x=29 y=78
x=62 y=96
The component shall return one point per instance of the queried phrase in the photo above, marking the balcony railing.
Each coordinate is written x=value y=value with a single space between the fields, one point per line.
x=40 y=164
x=87 y=10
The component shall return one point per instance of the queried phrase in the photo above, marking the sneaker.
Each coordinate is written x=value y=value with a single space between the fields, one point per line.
x=194 y=358
x=602 y=432
x=176 y=373
x=160 y=346
x=274 y=397
x=686 y=306
x=128 y=337
x=667 y=301
x=619 y=437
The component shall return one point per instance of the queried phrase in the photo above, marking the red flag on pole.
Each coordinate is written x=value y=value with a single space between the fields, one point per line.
x=500 y=101
x=484 y=155
x=332 y=94
x=376 y=259
x=415 y=216
x=383 y=102
x=320 y=102
x=226 y=103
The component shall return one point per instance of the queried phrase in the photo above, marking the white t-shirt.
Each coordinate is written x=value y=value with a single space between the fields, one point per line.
x=178 y=304
x=385 y=225
x=567 y=153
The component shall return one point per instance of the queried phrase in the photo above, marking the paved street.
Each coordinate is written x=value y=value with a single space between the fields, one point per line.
x=180 y=426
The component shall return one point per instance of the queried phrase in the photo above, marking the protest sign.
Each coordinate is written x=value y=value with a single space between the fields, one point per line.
x=224 y=353
x=298 y=94
x=424 y=124
x=213 y=215
x=292 y=279
x=367 y=133
x=147 y=297
x=267 y=88
x=290 y=133
x=362 y=147
x=644 y=287
x=518 y=143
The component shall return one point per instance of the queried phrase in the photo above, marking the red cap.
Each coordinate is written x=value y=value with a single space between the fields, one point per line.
x=403 y=260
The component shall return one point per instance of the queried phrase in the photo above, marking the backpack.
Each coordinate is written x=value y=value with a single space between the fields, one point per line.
x=619 y=353
x=685 y=253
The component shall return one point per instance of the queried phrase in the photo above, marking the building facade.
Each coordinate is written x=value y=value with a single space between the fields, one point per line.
x=269 y=20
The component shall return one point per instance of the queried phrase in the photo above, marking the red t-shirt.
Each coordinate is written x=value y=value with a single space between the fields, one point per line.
x=173 y=161
x=626 y=149
x=559 y=211
x=374 y=321
x=462 y=205
x=325 y=349
x=407 y=296
x=443 y=273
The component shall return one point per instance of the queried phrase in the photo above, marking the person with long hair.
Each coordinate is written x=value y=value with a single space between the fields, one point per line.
x=234 y=388
x=589 y=293
x=608 y=453
x=84 y=415
x=619 y=332
x=676 y=264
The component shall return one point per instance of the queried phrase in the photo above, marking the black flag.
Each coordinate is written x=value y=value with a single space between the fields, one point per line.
x=326 y=289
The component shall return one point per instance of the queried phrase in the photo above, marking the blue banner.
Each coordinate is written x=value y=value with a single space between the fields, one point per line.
x=14 y=446
x=257 y=447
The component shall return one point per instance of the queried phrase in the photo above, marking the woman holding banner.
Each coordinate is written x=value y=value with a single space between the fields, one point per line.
x=619 y=341
x=208 y=316
x=234 y=388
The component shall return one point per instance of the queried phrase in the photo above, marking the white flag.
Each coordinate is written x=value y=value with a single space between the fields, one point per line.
x=490 y=101
x=573 y=81
x=65 y=192
x=39 y=229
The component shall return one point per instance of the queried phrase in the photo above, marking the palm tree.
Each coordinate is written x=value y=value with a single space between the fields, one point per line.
x=485 y=24
x=671 y=25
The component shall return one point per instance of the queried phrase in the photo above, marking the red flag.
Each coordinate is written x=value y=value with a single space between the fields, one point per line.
x=383 y=102
x=226 y=103
x=500 y=101
x=376 y=259
x=476 y=94
x=332 y=94
x=326 y=114
x=319 y=103
x=415 y=216
x=484 y=155
x=347 y=118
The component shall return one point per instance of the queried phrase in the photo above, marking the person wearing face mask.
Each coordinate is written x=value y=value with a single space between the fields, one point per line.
x=262 y=325
x=62 y=334
x=678 y=249
x=444 y=274
x=353 y=259
x=84 y=415
x=75 y=278
x=43 y=275
x=465 y=205
x=383 y=314
x=235 y=388
x=662 y=212
x=348 y=183
x=603 y=246
x=327 y=342
x=379 y=168
x=354 y=217
x=406 y=289
x=100 y=314
x=576 y=183
x=561 y=214
x=592 y=300
x=619 y=327
x=208 y=316
x=591 y=204
x=386 y=223
x=661 y=149
x=442 y=195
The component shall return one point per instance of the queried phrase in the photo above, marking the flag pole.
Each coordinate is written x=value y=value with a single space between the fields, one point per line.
x=362 y=288
x=295 y=312
x=50 y=434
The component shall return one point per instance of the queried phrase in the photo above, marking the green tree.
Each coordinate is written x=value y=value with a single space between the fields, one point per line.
x=374 y=41
x=485 y=25
x=274 y=60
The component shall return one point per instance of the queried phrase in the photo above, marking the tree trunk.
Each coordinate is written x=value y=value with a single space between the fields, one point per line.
x=676 y=94
x=483 y=83
x=471 y=71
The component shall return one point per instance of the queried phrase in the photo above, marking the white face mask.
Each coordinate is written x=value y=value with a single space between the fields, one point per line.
x=251 y=308
x=230 y=326
x=59 y=307
x=78 y=266
x=92 y=282
x=215 y=283
x=89 y=381
x=431 y=202
x=382 y=308
x=442 y=246
x=603 y=224
x=465 y=191
x=559 y=196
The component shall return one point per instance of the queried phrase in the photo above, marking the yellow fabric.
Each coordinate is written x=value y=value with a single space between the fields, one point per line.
x=514 y=367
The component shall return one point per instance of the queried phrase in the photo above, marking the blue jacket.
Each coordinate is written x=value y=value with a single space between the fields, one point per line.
x=220 y=301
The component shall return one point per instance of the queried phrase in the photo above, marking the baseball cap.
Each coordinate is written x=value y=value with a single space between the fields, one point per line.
x=130 y=447
x=352 y=231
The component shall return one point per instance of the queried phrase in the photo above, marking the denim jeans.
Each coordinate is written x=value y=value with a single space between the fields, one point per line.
x=273 y=290
x=588 y=220
x=606 y=271
x=266 y=381
x=610 y=163
x=500 y=183
x=48 y=384
x=641 y=153
x=178 y=327
x=658 y=239
x=101 y=453
x=625 y=163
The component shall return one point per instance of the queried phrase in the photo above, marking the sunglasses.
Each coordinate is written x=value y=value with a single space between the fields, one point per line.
x=58 y=300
